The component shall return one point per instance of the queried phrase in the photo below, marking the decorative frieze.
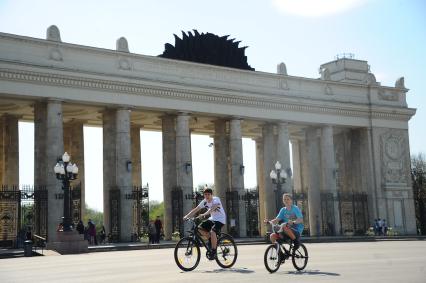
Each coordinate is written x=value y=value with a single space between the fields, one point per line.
x=267 y=102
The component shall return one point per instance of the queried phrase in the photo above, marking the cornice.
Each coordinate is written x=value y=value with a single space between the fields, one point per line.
x=271 y=102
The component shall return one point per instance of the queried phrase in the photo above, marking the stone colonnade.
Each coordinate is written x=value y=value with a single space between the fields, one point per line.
x=324 y=161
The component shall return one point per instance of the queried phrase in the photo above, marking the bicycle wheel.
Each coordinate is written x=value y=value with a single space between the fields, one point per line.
x=226 y=251
x=300 y=257
x=272 y=258
x=187 y=254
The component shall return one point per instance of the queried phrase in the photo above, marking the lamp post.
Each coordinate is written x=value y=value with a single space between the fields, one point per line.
x=66 y=172
x=278 y=178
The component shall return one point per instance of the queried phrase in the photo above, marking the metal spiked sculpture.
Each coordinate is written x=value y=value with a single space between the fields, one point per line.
x=207 y=48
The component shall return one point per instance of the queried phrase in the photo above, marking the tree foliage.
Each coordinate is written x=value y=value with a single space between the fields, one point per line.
x=156 y=208
x=418 y=177
x=96 y=216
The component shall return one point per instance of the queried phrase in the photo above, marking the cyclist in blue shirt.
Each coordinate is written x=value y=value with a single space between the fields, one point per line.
x=291 y=215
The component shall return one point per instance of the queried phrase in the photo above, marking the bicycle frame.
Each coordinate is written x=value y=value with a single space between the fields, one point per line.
x=279 y=242
x=195 y=235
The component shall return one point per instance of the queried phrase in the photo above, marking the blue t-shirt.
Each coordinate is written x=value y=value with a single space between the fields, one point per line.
x=291 y=215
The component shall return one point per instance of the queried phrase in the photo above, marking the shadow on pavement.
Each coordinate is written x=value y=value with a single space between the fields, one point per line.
x=313 y=272
x=230 y=270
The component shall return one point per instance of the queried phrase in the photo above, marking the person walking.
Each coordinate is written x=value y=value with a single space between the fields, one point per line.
x=152 y=233
x=92 y=232
x=158 y=229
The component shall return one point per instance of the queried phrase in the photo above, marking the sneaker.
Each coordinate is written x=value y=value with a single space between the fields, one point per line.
x=212 y=255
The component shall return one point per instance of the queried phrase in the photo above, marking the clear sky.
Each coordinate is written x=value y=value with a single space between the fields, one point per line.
x=389 y=34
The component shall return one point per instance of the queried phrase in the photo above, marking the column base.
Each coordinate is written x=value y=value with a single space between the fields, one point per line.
x=69 y=243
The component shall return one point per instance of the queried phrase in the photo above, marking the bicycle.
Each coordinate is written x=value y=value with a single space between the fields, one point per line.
x=187 y=250
x=276 y=254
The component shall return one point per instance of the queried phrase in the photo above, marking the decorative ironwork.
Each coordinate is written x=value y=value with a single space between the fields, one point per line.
x=114 y=196
x=353 y=213
x=140 y=196
x=41 y=211
x=177 y=210
x=232 y=210
x=251 y=199
x=196 y=196
x=76 y=204
x=327 y=211
x=208 y=48
x=22 y=210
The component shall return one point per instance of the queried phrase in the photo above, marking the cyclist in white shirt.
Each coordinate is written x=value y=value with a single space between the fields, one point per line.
x=216 y=220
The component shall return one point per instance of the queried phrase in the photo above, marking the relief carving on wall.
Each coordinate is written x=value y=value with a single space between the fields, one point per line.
x=394 y=161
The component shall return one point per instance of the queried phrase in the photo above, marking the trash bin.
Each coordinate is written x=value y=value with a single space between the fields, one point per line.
x=28 y=248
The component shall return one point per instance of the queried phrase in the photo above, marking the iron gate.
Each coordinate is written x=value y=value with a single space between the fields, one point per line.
x=140 y=197
x=177 y=210
x=251 y=199
x=114 y=198
x=22 y=210
x=327 y=213
x=232 y=209
x=353 y=209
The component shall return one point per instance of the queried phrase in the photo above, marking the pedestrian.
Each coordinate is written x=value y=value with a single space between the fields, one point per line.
x=91 y=230
x=376 y=227
x=152 y=233
x=28 y=234
x=380 y=226
x=158 y=229
x=102 y=236
x=385 y=228
x=80 y=227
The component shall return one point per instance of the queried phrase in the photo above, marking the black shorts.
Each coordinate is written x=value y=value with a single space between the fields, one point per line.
x=210 y=225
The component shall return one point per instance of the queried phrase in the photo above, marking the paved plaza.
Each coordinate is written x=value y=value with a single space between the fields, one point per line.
x=385 y=261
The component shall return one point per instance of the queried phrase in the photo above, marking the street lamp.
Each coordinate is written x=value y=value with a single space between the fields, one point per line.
x=278 y=177
x=66 y=172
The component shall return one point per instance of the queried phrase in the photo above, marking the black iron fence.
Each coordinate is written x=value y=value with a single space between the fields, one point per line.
x=23 y=211
x=177 y=210
x=140 y=196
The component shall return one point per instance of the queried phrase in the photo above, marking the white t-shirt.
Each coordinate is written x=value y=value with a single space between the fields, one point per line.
x=216 y=215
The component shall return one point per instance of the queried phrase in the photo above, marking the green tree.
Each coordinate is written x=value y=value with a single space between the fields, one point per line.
x=156 y=208
x=96 y=216
x=418 y=177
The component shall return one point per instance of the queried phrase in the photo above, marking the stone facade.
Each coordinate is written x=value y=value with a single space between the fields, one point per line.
x=349 y=133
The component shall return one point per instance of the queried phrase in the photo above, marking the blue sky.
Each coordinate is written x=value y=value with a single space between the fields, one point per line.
x=389 y=34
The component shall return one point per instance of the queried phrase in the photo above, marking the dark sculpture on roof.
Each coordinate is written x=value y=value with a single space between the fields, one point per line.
x=207 y=48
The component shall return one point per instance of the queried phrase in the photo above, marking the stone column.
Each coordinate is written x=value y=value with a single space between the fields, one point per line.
x=109 y=159
x=117 y=172
x=54 y=149
x=314 y=197
x=9 y=142
x=74 y=145
x=40 y=165
x=329 y=185
x=135 y=137
x=283 y=155
x=237 y=167
x=297 y=166
x=271 y=210
x=221 y=146
x=367 y=172
x=183 y=161
x=261 y=185
x=40 y=123
x=169 y=171
x=124 y=173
